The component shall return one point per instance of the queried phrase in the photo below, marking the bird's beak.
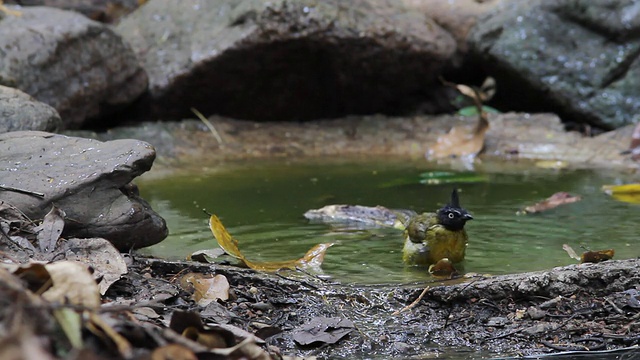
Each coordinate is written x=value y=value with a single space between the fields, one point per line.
x=468 y=217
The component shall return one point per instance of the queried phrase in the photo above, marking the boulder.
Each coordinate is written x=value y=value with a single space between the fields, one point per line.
x=19 y=111
x=80 y=67
x=283 y=60
x=578 y=58
x=88 y=179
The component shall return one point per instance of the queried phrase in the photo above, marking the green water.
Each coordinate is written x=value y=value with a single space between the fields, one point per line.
x=262 y=205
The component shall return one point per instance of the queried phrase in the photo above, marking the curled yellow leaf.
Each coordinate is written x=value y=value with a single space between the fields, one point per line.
x=629 y=193
x=313 y=257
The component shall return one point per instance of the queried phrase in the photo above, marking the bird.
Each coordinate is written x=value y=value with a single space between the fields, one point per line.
x=430 y=237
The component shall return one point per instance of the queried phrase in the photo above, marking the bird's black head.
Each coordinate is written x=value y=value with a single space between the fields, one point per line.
x=452 y=216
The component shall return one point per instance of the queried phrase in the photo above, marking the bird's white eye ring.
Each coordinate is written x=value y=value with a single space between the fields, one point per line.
x=451 y=215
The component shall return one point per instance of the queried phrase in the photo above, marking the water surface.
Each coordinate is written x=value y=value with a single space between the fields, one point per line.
x=262 y=204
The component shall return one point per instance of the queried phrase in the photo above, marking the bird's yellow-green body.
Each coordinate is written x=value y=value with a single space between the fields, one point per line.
x=430 y=237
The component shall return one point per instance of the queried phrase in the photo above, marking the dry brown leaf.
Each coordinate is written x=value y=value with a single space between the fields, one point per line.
x=313 y=257
x=572 y=254
x=597 y=256
x=206 y=287
x=103 y=330
x=50 y=230
x=72 y=283
x=460 y=141
x=555 y=200
x=443 y=269
x=463 y=141
x=106 y=261
x=173 y=352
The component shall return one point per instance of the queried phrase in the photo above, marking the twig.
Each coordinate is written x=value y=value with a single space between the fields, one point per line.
x=21 y=191
x=414 y=303
x=208 y=124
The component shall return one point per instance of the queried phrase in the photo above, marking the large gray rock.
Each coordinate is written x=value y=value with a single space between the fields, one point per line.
x=88 y=179
x=579 y=58
x=280 y=60
x=19 y=111
x=80 y=67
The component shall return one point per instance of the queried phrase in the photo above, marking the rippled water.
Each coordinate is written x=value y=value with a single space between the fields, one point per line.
x=262 y=205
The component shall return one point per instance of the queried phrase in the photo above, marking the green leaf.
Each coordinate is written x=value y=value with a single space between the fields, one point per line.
x=473 y=111
x=446 y=177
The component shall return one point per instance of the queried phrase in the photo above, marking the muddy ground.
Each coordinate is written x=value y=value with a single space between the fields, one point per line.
x=588 y=307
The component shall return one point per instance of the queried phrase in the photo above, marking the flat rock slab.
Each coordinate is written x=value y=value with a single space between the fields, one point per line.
x=88 y=179
x=19 y=111
x=282 y=60
x=80 y=67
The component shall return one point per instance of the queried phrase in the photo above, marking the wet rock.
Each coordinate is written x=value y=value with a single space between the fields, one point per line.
x=80 y=67
x=89 y=180
x=578 y=58
x=19 y=111
x=457 y=17
x=283 y=60
x=100 y=10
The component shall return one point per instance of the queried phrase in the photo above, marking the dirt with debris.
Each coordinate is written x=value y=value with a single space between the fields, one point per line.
x=574 y=308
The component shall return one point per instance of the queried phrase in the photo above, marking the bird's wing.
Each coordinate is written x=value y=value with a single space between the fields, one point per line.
x=417 y=226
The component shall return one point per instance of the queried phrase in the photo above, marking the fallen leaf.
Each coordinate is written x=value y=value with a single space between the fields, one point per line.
x=460 y=141
x=572 y=254
x=70 y=322
x=629 y=193
x=247 y=349
x=106 y=261
x=189 y=324
x=552 y=164
x=313 y=257
x=173 y=352
x=596 y=256
x=103 y=330
x=443 y=269
x=23 y=343
x=322 y=330
x=50 y=229
x=206 y=288
x=555 y=200
x=206 y=255
x=465 y=141
x=72 y=283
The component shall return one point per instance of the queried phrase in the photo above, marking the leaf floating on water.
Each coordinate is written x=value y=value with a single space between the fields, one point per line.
x=443 y=269
x=313 y=257
x=447 y=177
x=552 y=202
x=227 y=242
x=572 y=254
x=629 y=193
x=552 y=164
x=596 y=256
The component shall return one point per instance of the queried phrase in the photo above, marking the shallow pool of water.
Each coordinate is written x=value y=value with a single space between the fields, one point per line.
x=262 y=205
